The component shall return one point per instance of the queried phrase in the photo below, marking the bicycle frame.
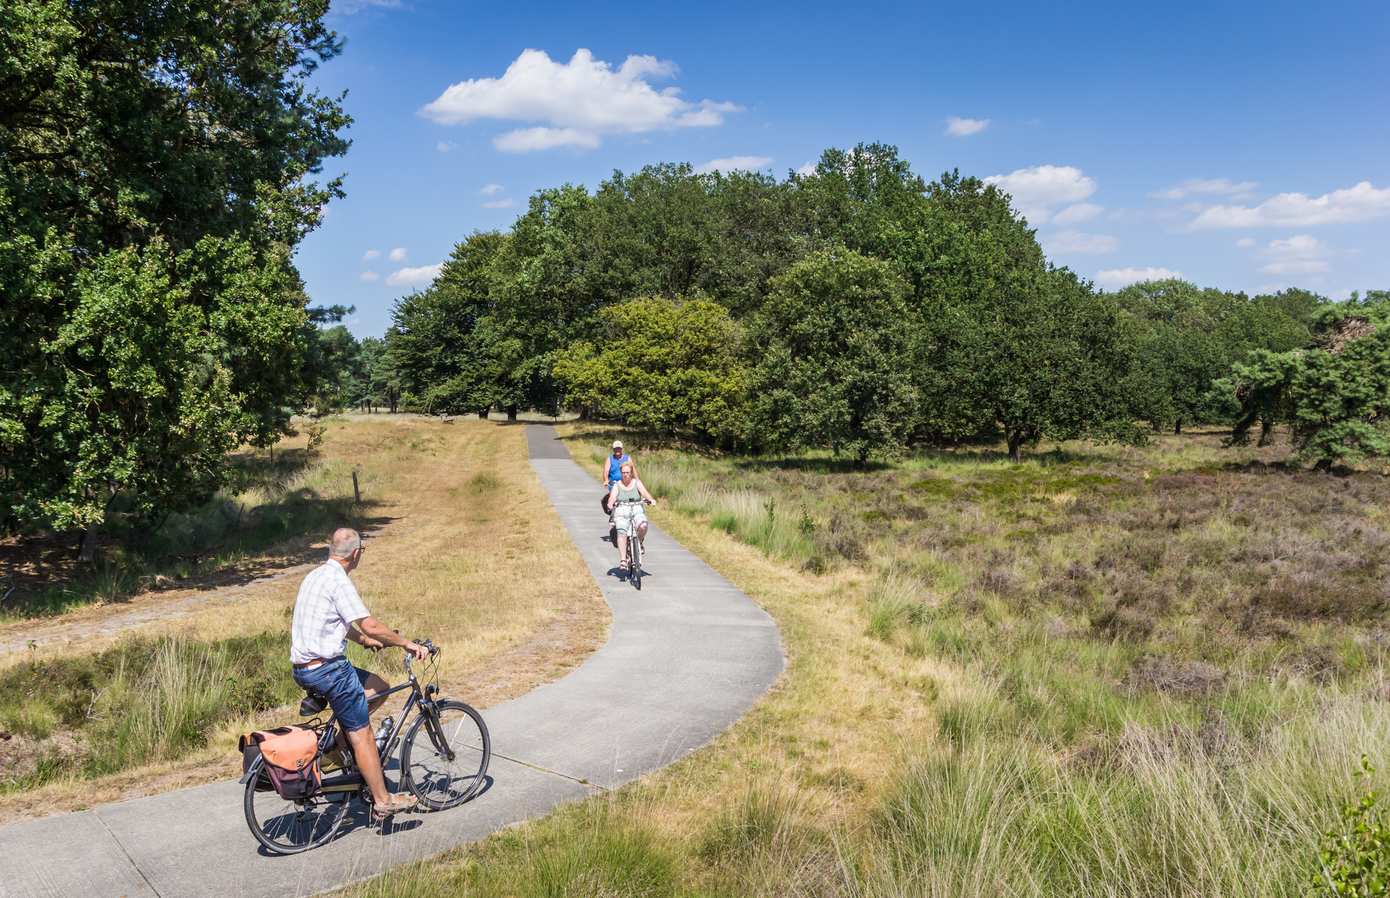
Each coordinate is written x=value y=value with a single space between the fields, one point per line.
x=351 y=779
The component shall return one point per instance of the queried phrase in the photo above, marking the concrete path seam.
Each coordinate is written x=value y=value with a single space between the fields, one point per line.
x=577 y=779
x=133 y=865
x=685 y=658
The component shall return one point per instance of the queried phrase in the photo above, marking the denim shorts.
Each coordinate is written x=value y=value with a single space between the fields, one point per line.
x=345 y=688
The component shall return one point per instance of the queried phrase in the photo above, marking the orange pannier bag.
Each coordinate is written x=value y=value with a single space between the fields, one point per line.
x=291 y=756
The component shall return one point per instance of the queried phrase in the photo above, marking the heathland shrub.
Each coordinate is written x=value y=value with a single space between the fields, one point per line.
x=1354 y=857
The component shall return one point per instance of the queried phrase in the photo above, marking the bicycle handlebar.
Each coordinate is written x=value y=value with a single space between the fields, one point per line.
x=423 y=643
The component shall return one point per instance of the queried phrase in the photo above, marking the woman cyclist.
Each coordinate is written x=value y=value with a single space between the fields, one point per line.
x=626 y=500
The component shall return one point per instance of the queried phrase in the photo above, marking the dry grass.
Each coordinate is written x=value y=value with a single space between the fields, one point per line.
x=1105 y=671
x=464 y=525
x=819 y=750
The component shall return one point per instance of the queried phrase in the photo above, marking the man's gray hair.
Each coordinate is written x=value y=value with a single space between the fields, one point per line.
x=345 y=542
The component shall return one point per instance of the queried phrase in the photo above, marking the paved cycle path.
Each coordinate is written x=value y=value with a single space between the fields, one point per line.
x=685 y=658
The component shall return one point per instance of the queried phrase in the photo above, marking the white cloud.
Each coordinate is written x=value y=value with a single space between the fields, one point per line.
x=575 y=103
x=506 y=203
x=526 y=140
x=1245 y=242
x=491 y=189
x=1205 y=187
x=1038 y=190
x=1360 y=202
x=807 y=170
x=1077 y=213
x=964 y=127
x=734 y=163
x=1299 y=254
x=1296 y=266
x=398 y=254
x=1299 y=246
x=1115 y=278
x=1078 y=242
x=445 y=146
x=371 y=254
x=369 y=276
x=414 y=277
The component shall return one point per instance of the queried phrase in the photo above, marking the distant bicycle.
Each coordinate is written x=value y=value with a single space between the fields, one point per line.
x=443 y=761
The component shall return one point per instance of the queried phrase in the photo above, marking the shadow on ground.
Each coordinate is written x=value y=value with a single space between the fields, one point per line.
x=218 y=545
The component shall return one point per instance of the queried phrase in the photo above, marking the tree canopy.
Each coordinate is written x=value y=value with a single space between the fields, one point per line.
x=664 y=364
x=830 y=346
x=156 y=167
x=1334 y=393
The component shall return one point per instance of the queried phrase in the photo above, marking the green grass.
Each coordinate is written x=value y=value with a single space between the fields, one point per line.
x=587 y=850
x=143 y=701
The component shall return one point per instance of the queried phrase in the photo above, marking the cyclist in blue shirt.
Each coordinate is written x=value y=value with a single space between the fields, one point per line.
x=613 y=471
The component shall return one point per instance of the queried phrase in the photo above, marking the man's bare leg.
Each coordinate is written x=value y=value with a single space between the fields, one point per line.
x=369 y=763
x=376 y=692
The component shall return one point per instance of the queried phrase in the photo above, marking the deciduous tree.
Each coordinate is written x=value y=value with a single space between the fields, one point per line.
x=156 y=166
x=830 y=351
x=672 y=365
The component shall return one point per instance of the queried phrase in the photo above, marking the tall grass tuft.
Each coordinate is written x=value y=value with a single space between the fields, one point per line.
x=1161 y=812
x=145 y=700
x=896 y=599
x=583 y=851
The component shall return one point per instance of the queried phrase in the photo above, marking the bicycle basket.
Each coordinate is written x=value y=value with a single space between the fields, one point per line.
x=291 y=755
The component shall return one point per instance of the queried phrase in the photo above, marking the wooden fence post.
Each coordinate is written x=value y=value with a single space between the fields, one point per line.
x=356 y=490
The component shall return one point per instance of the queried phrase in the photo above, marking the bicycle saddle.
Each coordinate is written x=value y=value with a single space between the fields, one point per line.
x=313 y=703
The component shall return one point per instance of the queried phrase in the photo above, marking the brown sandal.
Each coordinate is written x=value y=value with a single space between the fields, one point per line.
x=394 y=805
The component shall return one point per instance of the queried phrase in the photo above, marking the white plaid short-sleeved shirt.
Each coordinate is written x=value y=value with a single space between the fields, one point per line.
x=327 y=604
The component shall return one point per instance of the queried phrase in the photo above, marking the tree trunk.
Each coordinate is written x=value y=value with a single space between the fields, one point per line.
x=511 y=413
x=1015 y=443
x=87 y=553
x=1177 y=427
x=1266 y=428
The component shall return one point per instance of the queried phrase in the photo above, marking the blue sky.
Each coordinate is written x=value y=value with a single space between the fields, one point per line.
x=1243 y=145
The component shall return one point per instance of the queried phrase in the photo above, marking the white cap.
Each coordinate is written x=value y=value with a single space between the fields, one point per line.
x=617 y=444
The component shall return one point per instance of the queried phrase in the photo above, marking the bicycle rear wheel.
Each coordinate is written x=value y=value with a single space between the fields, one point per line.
x=436 y=779
x=289 y=827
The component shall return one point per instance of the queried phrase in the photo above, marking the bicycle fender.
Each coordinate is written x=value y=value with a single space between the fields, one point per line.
x=252 y=771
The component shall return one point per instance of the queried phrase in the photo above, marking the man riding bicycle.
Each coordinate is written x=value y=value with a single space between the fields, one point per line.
x=612 y=471
x=328 y=612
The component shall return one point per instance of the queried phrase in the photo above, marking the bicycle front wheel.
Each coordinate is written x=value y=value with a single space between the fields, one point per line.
x=634 y=544
x=445 y=755
x=289 y=827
